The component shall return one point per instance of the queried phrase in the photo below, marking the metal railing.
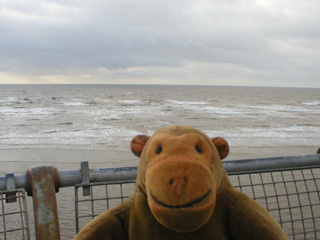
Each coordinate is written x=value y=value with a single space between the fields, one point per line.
x=289 y=187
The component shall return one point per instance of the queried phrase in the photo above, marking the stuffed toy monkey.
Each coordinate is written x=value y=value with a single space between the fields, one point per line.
x=183 y=192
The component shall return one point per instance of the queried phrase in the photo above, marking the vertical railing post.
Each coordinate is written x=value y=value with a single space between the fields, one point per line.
x=45 y=183
x=11 y=196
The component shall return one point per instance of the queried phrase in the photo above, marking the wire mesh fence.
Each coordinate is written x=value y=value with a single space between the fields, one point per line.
x=14 y=221
x=289 y=188
x=291 y=196
x=102 y=196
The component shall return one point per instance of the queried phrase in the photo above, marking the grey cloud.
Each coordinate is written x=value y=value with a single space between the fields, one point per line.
x=52 y=37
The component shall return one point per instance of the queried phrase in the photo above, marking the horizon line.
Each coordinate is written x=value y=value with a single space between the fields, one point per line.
x=150 y=84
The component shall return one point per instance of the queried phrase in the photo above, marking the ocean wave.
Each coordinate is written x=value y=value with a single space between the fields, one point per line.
x=74 y=103
x=313 y=103
x=186 y=103
x=9 y=99
x=91 y=135
x=270 y=136
x=129 y=101
x=26 y=111
x=244 y=110
x=92 y=117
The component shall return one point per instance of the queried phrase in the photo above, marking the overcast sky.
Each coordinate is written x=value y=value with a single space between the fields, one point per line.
x=214 y=42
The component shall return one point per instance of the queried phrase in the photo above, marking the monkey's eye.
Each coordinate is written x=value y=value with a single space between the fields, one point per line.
x=199 y=149
x=159 y=149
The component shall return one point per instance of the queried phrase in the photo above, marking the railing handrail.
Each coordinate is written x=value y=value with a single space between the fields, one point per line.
x=68 y=178
x=42 y=182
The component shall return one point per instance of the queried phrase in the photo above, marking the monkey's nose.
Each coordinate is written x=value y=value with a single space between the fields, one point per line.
x=178 y=185
x=183 y=179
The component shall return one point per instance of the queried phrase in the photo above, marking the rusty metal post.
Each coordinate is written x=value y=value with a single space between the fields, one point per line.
x=45 y=182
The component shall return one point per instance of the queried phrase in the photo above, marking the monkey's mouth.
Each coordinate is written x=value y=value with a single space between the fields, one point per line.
x=187 y=205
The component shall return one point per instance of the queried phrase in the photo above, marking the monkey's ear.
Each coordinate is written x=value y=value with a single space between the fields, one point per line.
x=222 y=146
x=138 y=143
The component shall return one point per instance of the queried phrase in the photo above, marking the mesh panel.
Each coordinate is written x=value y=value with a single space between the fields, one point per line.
x=103 y=196
x=291 y=196
x=13 y=215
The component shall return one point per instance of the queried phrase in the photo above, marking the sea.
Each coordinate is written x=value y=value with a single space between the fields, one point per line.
x=63 y=125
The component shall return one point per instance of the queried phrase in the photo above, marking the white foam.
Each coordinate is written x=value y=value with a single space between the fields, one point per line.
x=186 y=103
x=26 y=111
x=74 y=103
x=278 y=108
x=206 y=107
x=313 y=103
x=273 y=136
x=115 y=112
x=129 y=101
x=238 y=109
x=224 y=111
x=92 y=134
x=9 y=99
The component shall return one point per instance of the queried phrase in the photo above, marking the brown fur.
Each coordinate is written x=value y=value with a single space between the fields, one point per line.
x=183 y=192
